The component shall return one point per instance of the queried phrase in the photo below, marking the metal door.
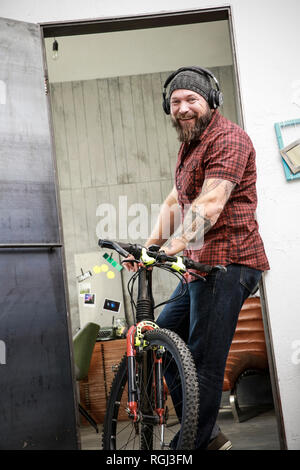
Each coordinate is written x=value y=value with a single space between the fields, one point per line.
x=37 y=399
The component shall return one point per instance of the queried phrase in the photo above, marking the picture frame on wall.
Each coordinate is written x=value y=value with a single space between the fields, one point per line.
x=290 y=153
x=291 y=156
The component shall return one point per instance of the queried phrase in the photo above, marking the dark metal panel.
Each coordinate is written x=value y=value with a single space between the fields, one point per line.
x=27 y=181
x=38 y=408
x=36 y=405
x=108 y=25
x=27 y=211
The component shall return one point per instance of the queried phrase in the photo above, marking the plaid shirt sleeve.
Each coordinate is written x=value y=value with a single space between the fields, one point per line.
x=227 y=156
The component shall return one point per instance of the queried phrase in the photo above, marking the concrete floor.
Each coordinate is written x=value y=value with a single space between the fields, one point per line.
x=258 y=433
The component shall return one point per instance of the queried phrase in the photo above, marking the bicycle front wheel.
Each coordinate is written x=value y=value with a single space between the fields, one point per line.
x=178 y=428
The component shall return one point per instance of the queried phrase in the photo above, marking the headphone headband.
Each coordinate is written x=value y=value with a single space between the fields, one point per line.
x=215 y=98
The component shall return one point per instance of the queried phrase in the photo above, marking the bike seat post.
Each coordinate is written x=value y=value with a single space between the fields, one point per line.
x=144 y=306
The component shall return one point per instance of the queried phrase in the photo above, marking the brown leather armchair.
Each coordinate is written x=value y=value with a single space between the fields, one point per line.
x=247 y=355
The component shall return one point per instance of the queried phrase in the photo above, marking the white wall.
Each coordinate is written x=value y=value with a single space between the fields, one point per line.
x=267 y=42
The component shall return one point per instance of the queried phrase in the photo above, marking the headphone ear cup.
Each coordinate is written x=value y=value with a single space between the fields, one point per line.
x=166 y=104
x=212 y=99
x=215 y=99
x=220 y=98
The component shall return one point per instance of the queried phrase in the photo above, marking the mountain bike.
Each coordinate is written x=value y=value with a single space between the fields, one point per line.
x=156 y=380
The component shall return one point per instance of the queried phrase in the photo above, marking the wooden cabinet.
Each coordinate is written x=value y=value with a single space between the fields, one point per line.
x=95 y=389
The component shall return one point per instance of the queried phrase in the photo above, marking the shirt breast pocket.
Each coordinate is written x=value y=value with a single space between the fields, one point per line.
x=192 y=179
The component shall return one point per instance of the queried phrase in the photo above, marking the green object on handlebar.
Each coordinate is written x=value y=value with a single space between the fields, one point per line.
x=178 y=265
x=147 y=260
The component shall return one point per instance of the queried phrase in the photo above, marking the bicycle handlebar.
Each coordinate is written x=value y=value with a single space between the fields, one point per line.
x=125 y=249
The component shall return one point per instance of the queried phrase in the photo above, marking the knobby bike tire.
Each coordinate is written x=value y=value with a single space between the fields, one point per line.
x=182 y=357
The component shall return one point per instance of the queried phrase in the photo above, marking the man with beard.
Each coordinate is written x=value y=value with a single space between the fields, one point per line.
x=215 y=196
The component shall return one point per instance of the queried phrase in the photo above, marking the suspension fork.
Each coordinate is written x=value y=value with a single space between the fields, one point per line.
x=144 y=311
x=133 y=339
x=131 y=370
x=158 y=386
x=145 y=319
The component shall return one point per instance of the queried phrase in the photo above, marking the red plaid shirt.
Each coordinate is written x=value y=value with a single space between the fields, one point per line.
x=224 y=151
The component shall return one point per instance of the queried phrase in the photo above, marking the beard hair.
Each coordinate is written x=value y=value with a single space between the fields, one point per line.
x=190 y=133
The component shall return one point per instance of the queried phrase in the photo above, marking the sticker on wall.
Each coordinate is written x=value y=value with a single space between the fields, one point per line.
x=83 y=276
x=110 y=275
x=97 y=269
x=84 y=289
x=100 y=269
x=90 y=300
x=114 y=263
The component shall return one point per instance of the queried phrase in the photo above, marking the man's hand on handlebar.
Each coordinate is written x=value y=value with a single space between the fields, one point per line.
x=174 y=247
x=130 y=266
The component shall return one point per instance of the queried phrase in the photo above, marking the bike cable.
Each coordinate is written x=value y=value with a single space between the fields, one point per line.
x=182 y=280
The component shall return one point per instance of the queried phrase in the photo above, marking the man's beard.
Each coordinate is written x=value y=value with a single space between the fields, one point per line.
x=187 y=133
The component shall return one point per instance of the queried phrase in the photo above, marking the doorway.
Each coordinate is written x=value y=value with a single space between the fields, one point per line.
x=114 y=146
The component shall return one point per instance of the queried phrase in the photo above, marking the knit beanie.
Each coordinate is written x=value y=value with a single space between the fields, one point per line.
x=190 y=80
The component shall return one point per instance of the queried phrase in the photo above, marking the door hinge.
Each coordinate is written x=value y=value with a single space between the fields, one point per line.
x=46 y=84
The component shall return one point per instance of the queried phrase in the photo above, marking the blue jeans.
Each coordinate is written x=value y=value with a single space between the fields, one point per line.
x=205 y=318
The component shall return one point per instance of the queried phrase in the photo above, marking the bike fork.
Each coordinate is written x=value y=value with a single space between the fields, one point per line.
x=158 y=384
x=131 y=369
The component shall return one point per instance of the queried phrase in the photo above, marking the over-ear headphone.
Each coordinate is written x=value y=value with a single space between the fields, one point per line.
x=215 y=97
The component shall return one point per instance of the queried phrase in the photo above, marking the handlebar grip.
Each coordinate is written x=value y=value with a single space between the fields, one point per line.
x=204 y=268
x=126 y=246
x=105 y=243
x=191 y=264
x=124 y=249
x=121 y=248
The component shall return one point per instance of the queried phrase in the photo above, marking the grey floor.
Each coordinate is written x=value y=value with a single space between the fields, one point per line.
x=258 y=433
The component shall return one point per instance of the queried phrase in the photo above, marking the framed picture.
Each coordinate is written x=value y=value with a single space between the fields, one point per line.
x=290 y=152
x=90 y=300
x=291 y=155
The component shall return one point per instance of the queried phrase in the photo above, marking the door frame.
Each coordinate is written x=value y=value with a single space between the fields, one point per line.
x=176 y=18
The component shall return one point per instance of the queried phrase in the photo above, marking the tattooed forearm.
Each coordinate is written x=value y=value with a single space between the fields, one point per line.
x=223 y=186
x=210 y=185
x=195 y=225
x=203 y=213
x=193 y=229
